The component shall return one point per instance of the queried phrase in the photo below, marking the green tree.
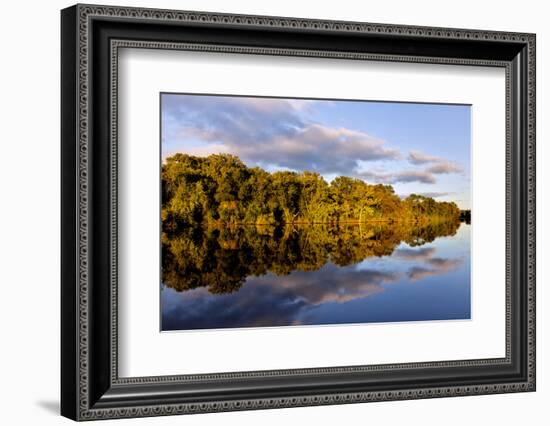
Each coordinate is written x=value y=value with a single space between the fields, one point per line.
x=221 y=188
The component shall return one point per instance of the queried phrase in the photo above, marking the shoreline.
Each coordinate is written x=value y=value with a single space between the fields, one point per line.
x=336 y=223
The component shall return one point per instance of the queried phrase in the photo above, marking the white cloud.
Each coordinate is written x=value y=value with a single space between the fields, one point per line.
x=278 y=134
x=438 y=165
x=403 y=176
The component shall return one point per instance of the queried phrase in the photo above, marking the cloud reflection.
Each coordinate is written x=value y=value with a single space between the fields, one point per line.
x=436 y=266
x=271 y=300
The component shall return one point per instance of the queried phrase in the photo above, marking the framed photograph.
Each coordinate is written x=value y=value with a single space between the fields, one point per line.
x=263 y=212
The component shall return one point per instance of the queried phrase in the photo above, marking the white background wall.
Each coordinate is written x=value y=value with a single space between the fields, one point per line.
x=29 y=213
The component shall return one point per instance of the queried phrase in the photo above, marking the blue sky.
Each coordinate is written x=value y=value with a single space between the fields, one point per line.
x=417 y=148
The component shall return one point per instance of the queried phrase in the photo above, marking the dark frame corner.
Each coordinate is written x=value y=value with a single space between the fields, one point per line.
x=90 y=37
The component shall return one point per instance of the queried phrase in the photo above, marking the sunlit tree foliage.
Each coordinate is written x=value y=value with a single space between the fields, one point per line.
x=220 y=188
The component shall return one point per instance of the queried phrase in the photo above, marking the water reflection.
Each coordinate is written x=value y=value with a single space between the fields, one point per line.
x=269 y=276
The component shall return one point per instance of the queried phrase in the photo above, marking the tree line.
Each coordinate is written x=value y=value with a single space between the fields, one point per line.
x=221 y=189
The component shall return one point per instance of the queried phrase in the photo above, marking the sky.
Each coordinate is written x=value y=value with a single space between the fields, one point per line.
x=417 y=148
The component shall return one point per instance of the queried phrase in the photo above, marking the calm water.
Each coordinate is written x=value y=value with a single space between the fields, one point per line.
x=250 y=277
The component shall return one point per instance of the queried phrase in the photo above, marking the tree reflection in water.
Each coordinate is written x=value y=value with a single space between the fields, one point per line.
x=247 y=276
x=220 y=259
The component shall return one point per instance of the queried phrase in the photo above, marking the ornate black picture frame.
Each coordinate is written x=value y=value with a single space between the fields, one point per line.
x=90 y=38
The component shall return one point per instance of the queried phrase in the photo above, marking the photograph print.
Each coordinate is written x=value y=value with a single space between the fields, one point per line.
x=308 y=212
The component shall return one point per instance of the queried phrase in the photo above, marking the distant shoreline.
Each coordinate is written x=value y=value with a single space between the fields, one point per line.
x=336 y=223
